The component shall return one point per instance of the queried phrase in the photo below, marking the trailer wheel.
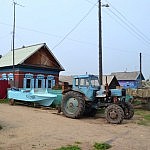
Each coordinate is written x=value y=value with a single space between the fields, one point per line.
x=114 y=114
x=128 y=110
x=11 y=102
x=73 y=105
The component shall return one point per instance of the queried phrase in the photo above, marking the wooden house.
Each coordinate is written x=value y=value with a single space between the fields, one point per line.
x=111 y=80
x=34 y=66
x=129 y=79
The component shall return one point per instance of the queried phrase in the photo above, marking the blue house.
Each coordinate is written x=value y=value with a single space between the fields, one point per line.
x=129 y=79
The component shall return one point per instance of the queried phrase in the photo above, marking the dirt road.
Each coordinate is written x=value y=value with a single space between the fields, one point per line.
x=27 y=128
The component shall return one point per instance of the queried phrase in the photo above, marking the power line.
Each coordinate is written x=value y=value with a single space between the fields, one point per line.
x=129 y=22
x=131 y=29
x=74 y=27
x=91 y=2
x=50 y=34
x=123 y=25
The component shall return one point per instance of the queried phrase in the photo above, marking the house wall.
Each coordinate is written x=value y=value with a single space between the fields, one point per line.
x=129 y=83
x=42 y=58
x=19 y=77
x=114 y=83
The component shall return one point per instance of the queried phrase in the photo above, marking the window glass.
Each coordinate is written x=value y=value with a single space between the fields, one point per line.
x=39 y=83
x=28 y=83
x=95 y=82
x=76 y=82
x=49 y=83
x=84 y=82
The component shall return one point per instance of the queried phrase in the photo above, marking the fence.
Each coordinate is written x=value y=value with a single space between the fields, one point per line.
x=3 y=88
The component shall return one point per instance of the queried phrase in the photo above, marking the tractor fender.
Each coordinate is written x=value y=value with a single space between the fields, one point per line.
x=68 y=90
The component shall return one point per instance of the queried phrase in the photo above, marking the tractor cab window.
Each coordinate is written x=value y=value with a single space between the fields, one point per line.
x=76 y=82
x=84 y=82
x=95 y=82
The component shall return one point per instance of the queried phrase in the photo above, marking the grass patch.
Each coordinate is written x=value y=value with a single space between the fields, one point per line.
x=4 y=101
x=136 y=102
x=101 y=146
x=144 y=117
x=101 y=111
x=70 y=147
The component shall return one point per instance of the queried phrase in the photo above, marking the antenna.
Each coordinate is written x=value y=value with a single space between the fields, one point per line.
x=13 y=43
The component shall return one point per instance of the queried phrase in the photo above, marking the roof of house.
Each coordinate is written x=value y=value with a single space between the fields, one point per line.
x=109 y=79
x=21 y=54
x=126 y=75
x=69 y=79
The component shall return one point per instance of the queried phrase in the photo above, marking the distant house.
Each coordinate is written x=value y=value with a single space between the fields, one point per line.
x=110 y=79
x=34 y=66
x=129 y=79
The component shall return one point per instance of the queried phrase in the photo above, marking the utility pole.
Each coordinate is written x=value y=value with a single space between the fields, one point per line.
x=100 y=42
x=140 y=69
x=13 y=43
x=100 y=46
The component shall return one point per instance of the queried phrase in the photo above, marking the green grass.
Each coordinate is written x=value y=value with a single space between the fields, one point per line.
x=144 y=117
x=101 y=146
x=96 y=146
x=4 y=101
x=70 y=147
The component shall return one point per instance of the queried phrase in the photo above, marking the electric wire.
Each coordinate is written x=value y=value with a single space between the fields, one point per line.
x=49 y=34
x=123 y=16
x=74 y=27
x=130 y=27
x=135 y=32
x=91 y=2
x=122 y=25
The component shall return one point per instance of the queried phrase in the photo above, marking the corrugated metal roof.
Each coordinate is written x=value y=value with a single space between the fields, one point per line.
x=20 y=55
x=68 y=79
x=126 y=75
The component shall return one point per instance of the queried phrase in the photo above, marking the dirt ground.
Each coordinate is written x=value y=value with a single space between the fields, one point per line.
x=27 y=128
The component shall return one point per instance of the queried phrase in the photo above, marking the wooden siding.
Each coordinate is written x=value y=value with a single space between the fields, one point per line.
x=42 y=58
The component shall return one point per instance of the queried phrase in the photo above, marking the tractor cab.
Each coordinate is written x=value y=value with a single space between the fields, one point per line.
x=86 y=84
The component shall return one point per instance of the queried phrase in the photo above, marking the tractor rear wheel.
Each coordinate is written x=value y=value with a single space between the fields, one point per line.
x=128 y=110
x=114 y=114
x=73 y=104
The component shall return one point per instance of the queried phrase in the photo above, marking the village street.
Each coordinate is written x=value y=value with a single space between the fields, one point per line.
x=28 y=128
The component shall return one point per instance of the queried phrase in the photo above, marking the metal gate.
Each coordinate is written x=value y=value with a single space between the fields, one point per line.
x=3 y=88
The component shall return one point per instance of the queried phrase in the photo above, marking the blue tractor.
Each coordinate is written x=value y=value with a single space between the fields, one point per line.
x=87 y=96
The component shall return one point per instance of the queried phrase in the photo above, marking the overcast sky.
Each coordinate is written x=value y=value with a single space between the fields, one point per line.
x=70 y=29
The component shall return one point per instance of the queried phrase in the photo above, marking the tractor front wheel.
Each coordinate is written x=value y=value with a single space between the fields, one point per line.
x=73 y=104
x=114 y=114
